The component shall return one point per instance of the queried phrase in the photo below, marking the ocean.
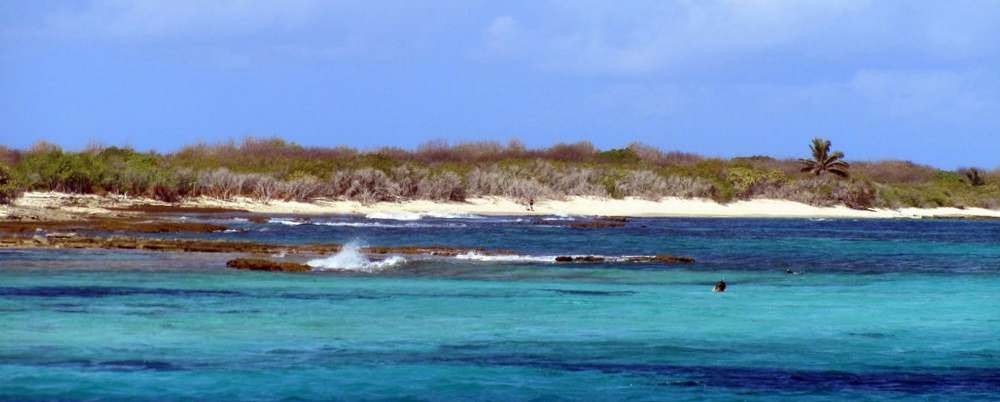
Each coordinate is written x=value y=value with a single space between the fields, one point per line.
x=815 y=310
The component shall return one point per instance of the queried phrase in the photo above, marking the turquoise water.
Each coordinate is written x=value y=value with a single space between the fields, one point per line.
x=881 y=310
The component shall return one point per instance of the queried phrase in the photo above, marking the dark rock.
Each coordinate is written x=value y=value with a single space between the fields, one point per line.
x=673 y=259
x=601 y=222
x=597 y=224
x=258 y=219
x=256 y=264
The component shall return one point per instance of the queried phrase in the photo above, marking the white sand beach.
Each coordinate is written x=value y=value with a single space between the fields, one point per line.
x=589 y=206
x=57 y=205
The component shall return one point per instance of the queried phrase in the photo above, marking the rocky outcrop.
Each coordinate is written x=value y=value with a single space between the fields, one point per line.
x=257 y=264
x=110 y=225
x=601 y=222
x=222 y=246
x=258 y=219
x=672 y=259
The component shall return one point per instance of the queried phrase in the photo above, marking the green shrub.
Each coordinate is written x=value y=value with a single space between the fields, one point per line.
x=10 y=187
x=746 y=182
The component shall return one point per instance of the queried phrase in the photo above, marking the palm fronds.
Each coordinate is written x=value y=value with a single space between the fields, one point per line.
x=824 y=161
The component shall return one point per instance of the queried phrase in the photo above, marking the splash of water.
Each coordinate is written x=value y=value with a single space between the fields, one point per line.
x=350 y=258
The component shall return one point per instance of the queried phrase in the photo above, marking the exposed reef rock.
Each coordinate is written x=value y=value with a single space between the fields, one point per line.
x=601 y=222
x=222 y=246
x=257 y=264
x=110 y=225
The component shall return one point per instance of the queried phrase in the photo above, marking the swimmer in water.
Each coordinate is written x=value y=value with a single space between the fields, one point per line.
x=790 y=272
x=720 y=286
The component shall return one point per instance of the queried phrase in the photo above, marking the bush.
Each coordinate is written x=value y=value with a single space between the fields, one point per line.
x=496 y=181
x=975 y=176
x=365 y=185
x=747 y=182
x=444 y=186
x=10 y=188
x=648 y=185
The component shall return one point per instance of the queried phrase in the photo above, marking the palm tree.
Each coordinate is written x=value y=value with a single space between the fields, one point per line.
x=824 y=161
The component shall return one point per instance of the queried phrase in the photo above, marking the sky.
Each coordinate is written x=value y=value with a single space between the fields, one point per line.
x=887 y=79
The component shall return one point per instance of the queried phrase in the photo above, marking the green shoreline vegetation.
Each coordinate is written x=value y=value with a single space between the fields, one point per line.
x=273 y=169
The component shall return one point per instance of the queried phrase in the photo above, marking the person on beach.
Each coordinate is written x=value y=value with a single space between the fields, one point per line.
x=531 y=204
x=720 y=286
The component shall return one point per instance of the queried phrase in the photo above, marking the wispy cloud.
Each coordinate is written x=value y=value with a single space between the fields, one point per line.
x=640 y=37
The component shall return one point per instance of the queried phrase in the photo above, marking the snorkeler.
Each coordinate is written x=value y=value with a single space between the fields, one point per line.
x=720 y=286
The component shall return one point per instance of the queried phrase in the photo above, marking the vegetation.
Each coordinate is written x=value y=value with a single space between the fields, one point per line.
x=10 y=188
x=272 y=169
x=823 y=161
x=975 y=176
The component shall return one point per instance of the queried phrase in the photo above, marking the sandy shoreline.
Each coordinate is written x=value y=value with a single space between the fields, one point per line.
x=53 y=206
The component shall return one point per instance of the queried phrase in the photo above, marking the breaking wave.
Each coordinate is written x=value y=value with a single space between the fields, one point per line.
x=290 y=222
x=293 y=222
x=350 y=258
x=415 y=216
x=395 y=216
x=575 y=258
x=473 y=256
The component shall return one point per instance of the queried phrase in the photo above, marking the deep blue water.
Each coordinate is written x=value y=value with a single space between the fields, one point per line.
x=880 y=310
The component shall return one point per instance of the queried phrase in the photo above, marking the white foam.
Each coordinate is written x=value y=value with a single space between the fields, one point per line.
x=350 y=258
x=289 y=222
x=448 y=215
x=415 y=216
x=473 y=256
x=386 y=225
x=395 y=216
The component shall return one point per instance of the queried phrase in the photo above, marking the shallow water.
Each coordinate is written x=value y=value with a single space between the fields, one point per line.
x=897 y=310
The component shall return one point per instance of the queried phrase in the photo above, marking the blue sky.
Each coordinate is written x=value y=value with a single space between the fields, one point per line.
x=915 y=80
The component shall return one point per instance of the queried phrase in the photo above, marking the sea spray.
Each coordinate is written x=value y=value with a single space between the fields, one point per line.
x=350 y=258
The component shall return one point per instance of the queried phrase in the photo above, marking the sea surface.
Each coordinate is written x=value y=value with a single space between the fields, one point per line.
x=872 y=310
